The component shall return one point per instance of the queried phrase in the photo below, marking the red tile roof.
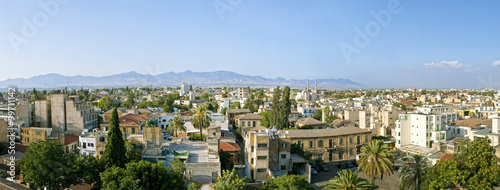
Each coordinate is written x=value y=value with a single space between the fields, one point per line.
x=446 y=157
x=229 y=146
x=130 y=119
x=70 y=139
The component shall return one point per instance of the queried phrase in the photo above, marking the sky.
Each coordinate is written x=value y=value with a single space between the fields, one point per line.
x=386 y=43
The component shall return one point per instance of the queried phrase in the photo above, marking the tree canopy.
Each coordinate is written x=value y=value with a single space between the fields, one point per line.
x=230 y=181
x=292 y=182
x=114 y=151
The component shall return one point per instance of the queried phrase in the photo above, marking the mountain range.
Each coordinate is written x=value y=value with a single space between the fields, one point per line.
x=202 y=79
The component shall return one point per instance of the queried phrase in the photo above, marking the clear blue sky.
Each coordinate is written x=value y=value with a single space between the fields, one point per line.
x=425 y=44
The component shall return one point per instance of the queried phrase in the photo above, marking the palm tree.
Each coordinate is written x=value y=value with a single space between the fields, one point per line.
x=348 y=180
x=413 y=177
x=376 y=160
x=177 y=125
x=201 y=119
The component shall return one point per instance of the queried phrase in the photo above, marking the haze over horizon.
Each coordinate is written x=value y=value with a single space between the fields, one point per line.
x=423 y=44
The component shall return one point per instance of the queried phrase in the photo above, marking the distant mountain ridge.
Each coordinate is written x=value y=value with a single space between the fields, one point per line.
x=203 y=79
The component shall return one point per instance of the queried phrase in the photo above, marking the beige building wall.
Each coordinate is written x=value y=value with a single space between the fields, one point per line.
x=153 y=136
x=42 y=114
x=3 y=131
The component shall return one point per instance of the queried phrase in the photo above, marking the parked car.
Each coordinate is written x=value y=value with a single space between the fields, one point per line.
x=313 y=171
x=317 y=168
x=350 y=165
x=324 y=168
x=339 y=165
x=343 y=166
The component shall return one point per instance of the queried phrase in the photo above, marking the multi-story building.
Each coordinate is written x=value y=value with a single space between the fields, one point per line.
x=93 y=143
x=244 y=93
x=425 y=126
x=65 y=114
x=185 y=88
x=248 y=120
x=130 y=124
x=330 y=145
x=306 y=111
x=35 y=134
x=232 y=113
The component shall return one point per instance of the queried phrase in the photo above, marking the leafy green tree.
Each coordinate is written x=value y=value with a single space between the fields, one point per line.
x=376 y=160
x=235 y=105
x=225 y=160
x=286 y=108
x=141 y=175
x=294 y=182
x=276 y=107
x=194 y=186
x=105 y=103
x=201 y=120
x=177 y=125
x=297 y=149
x=474 y=167
x=413 y=177
x=266 y=119
x=400 y=105
x=205 y=96
x=45 y=165
x=132 y=155
x=317 y=115
x=348 y=180
x=114 y=151
x=230 y=181
x=224 y=111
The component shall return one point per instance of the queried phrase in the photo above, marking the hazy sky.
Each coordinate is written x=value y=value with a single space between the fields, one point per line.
x=380 y=43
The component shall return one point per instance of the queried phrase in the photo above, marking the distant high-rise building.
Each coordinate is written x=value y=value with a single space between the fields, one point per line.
x=185 y=88
x=244 y=92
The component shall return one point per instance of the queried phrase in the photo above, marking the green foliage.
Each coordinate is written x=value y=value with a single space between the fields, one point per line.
x=225 y=160
x=281 y=108
x=376 y=160
x=45 y=164
x=348 y=180
x=145 y=104
x=414 y=177
x=205 y=96
x=4 y=148
x=292 y=182
x=266 y=119
x=297 y=149
x=114 y=152
x=400 y=105
x=317 y=115
x=212 y=106
x=194 y=186
x=253 y=103
x=106 y=103
x=196 y=137
x=141 y=175
x=331 y=118
x=474 y=167
x=176 y=125
x=235 y=105
x=230 y=181
x=224 y=111
x=132 y=155
x=201 y=120
x=168 y=102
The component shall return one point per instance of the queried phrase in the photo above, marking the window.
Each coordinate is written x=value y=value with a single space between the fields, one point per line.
x=125 y=130
x=283 y=156
x=320 y=156
x=359 y=139
x=91 y=144
x=101 y=153
x=399 y=134
x=251 y=161
x=261 y=157
x=310 y=144
x=133 y=130
x=261 y=145
x=283 y=167
x=350 y=151
x=340 y=141
x=283 y=145
x=350 y=140
x=261 y=170
x=330 y=143
x=84 y=145
x=366 y=138
x=320 y=143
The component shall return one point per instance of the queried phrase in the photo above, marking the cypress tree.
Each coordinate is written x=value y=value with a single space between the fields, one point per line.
x=276 y=107
x=286 y=106
x=114 y=152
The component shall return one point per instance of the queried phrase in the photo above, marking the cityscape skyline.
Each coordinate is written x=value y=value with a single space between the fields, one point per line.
x=392 y=44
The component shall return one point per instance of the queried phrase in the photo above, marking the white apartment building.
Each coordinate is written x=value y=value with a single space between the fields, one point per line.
x=306 y=112
x=425 y=126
